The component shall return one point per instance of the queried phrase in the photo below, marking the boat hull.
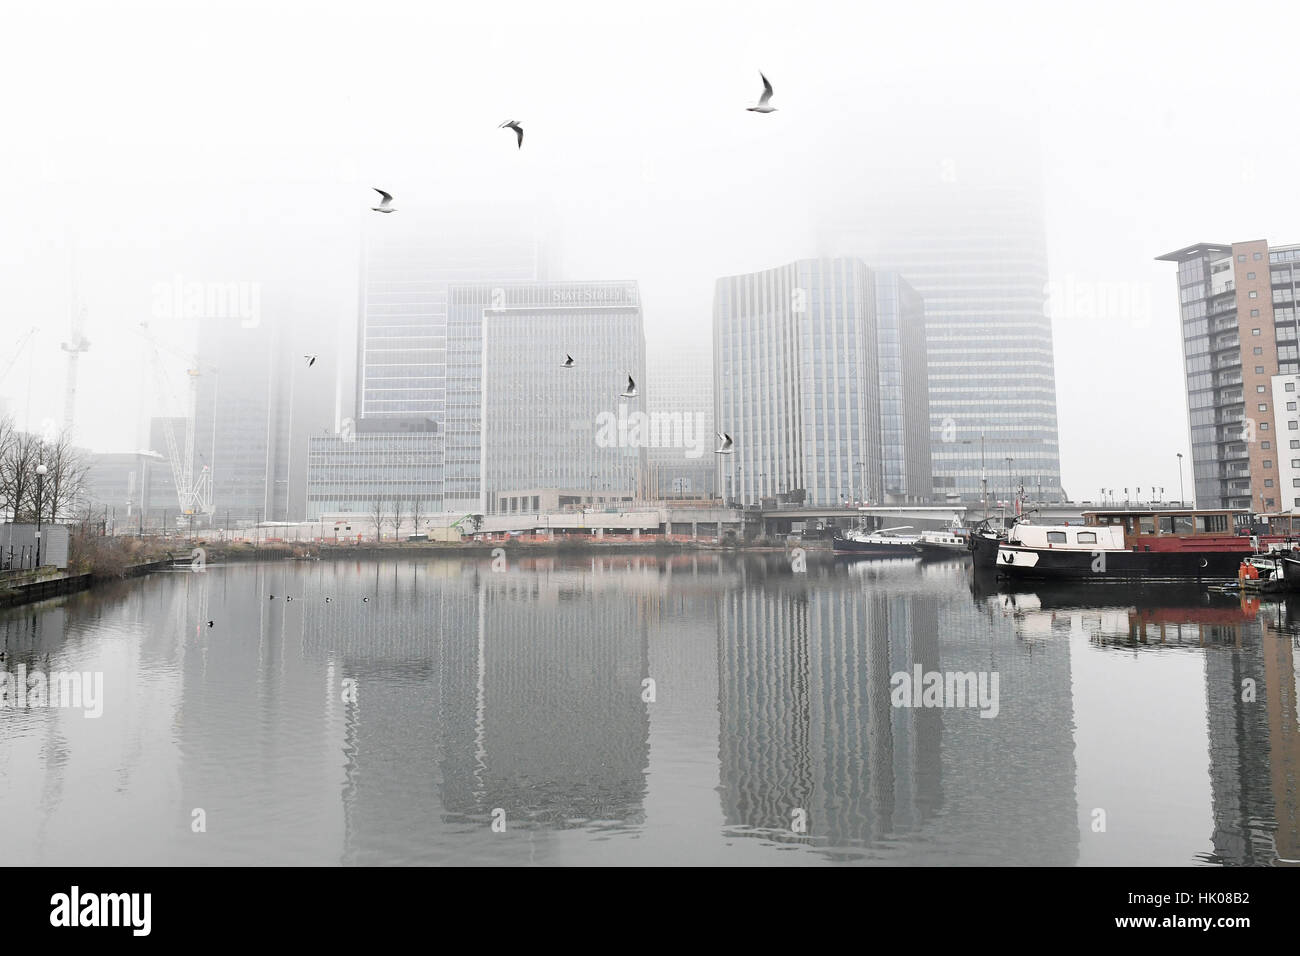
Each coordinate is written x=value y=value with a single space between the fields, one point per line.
x=984 y=550
x=1076 y=565
x=940 y=552
x=875 y=549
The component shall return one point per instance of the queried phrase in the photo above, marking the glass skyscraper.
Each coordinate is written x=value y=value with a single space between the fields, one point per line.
x=800 y=368
x=967 y=232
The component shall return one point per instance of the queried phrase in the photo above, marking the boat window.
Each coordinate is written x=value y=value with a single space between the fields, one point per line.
x=1086 y=537
x=1147 y=524
x=1166 y=524
x=1212 y=523
x=1182 y=524
x=1056 y=537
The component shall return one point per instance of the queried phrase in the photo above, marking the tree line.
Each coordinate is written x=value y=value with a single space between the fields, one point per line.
x=62 y=493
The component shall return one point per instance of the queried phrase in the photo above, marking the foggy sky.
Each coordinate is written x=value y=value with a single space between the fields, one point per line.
x=239 y=142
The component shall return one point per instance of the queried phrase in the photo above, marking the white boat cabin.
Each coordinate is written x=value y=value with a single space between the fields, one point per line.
x=1068 y=537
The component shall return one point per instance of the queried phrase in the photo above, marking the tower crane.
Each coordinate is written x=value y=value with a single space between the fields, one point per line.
x=193 y=492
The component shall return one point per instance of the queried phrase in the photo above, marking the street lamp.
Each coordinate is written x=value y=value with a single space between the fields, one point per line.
x=41 y=471
x=1010 y=487
x=984 y=482
x=1180 y=479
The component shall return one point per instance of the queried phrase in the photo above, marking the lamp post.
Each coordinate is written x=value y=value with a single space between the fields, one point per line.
x=984 y=481
x=1180 y=479
x=41 y=471
x=1010 y=488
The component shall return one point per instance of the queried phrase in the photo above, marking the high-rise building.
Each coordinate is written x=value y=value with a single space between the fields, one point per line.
x=261 y=397
x=965 y=228
x=395 y=474
x=679 y=395
x=403 y=339
x=545 y=425
x=1239 y=333
x=799 y=378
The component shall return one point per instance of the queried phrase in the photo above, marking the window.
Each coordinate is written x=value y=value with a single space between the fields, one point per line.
x=1257 y=256
x=1263 y=426
x=1258 y=350
x=1259 y=388
x=1295 y=462
x=1294 y=443
x=1288 y=386
x=1211 y=523
x=1254 y=331
x=1086 y=537
x=1295 y=482
x=1268 y=482
x=1241 y=258
x=1292 y=425
x=1056 y=537
x=1253 y=295
x=1265 y=445
x=1259 y=370
x=1297 y=502
x=1254 y=313
x=1262 y=406
x=1268 y=463
x=1147 y=525
x=1166 y=524
x=1250 y=275
x=1290 y=406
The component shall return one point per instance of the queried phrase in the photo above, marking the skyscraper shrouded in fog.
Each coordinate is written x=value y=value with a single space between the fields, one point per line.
x=679 y=390
x=965 y=228
x=803 y=354
x=1238 y=304
x=404 y=345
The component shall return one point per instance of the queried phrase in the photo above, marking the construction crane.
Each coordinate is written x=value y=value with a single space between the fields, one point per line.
x=193 y=493
x=18 y=351
x=75 y=345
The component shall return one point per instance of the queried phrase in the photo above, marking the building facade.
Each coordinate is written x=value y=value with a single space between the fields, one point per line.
x=131 y=491
x=393 y=476
x=544 y=425
x=1237 y=304
x=966 y=229
x=801 y=387
x=679 y=395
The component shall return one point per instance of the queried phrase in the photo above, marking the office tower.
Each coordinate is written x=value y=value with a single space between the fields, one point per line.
x=679 y=395
x=1237 y=304
x=260 y=397
x=962 y=222
x=904 y=392
x=548 y=426
x=799 y=379
x=409 y=263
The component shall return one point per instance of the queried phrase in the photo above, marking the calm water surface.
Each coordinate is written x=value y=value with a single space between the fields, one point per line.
x=1132 y=727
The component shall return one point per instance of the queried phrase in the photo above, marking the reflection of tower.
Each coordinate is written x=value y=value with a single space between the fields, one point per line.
x=525 y=729
x=1282 y=676
x=1239 y=749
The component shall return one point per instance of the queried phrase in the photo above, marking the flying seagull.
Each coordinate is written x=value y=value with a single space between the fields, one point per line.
x=385 y=204
x=762 y=106
x=311 y=360
x=630 y=391
x=209 y=623
x=726 y=444
x=519 y=130
x=568 y=361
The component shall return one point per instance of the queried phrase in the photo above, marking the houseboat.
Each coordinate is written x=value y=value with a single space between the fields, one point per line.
x=1172 y=544
x=949 y=543
x=886 y=543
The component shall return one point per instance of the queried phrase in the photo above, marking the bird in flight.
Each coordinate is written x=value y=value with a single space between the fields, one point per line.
x=762 y=106
x=209 y=623
x=385 y=203
x=725 y=448
x=519 y=130
x=630 y=391
x=568 y=361
x=311 y=360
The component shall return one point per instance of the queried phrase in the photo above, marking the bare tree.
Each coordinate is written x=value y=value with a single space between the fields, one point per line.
x=396 y=517
x=65 y=479
x=18 y=475
x=416 y=510
x=377 y=512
